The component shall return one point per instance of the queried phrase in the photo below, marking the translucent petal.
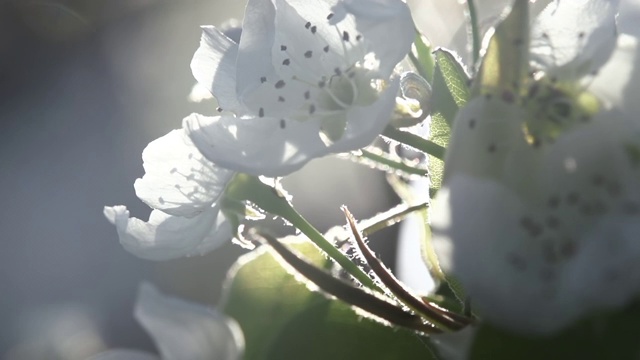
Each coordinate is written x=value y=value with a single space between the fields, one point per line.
x=477 y=233
x=573 y=38
x=178 y=180
x=314 y=45
x=386 y=27
x=254 y=55
x=266 y=146
x=484 y=133
x=365 y=123
x=277 y=147
x=618 y=81
x=214 y=67
x=535 y=258
x=165 y=236
x=187 y=331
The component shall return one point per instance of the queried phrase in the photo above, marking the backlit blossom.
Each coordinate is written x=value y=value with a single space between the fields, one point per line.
x=306 y=79
x=539 y=214
x=182 y=330
x=183 y=189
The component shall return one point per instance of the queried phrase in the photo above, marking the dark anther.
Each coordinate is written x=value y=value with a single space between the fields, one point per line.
x=283 y=124
x=329 y=16
x=312 y=109
x=313 y=29
x=308 y=54
x=263 y=79
x=261 y=112
x=326 y=48
x=280 y=99
x=307 y=95
x=286 y=62
x=307 y=25
x=283 y=47
x=345 y=36
x=280 y=84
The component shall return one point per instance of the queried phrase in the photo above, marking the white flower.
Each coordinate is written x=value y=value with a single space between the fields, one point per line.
x=182 y=330
x=306 y=79
x=539 y=214
x=183 y=188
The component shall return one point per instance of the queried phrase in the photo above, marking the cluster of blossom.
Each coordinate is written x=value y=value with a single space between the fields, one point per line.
x=537 y=216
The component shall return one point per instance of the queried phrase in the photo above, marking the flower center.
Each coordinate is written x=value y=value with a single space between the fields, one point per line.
x=553 y=108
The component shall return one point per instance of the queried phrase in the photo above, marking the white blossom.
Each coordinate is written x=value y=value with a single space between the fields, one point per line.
x=306 y=79
x=539 y=214
x=182 y=330
x=183 y=188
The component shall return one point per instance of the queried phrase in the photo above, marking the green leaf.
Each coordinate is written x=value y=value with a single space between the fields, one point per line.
x=450 y=93
x=605 y=336
x=282 y=319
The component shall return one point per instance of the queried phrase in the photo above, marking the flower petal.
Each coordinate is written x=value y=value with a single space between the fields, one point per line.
x=618 y=81
x=254 y=55
x=178 y=180
x=166 y=237
x=265 y=146
x=187 y=331
x=214 y=67
x=276 y=147
x=386 y=26
x=573 y=38
x=477 y=235
x=365 y=123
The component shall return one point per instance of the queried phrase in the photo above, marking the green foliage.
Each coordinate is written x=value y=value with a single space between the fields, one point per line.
x=450 y=93
x=282 y=319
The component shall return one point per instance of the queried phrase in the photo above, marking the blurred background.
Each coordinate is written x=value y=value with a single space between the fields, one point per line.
x=85 y=85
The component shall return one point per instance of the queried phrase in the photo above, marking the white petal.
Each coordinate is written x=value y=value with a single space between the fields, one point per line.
x=365 y=123
x=478 y=238
x=119 y=354
x=484 y=134
x=166 y=237
x=178 y=180
x=573 y=38
x=214 y=67
x=277 y=147
x=254 y=55
x=255 y=146
x=618 y=81
x=187 y=331
x=385 y=25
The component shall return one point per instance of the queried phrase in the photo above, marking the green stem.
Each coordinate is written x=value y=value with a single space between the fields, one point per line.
x=383 y=159
x=415 y=141
x=390 y=217
x=475 y=31
x=274 y=201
